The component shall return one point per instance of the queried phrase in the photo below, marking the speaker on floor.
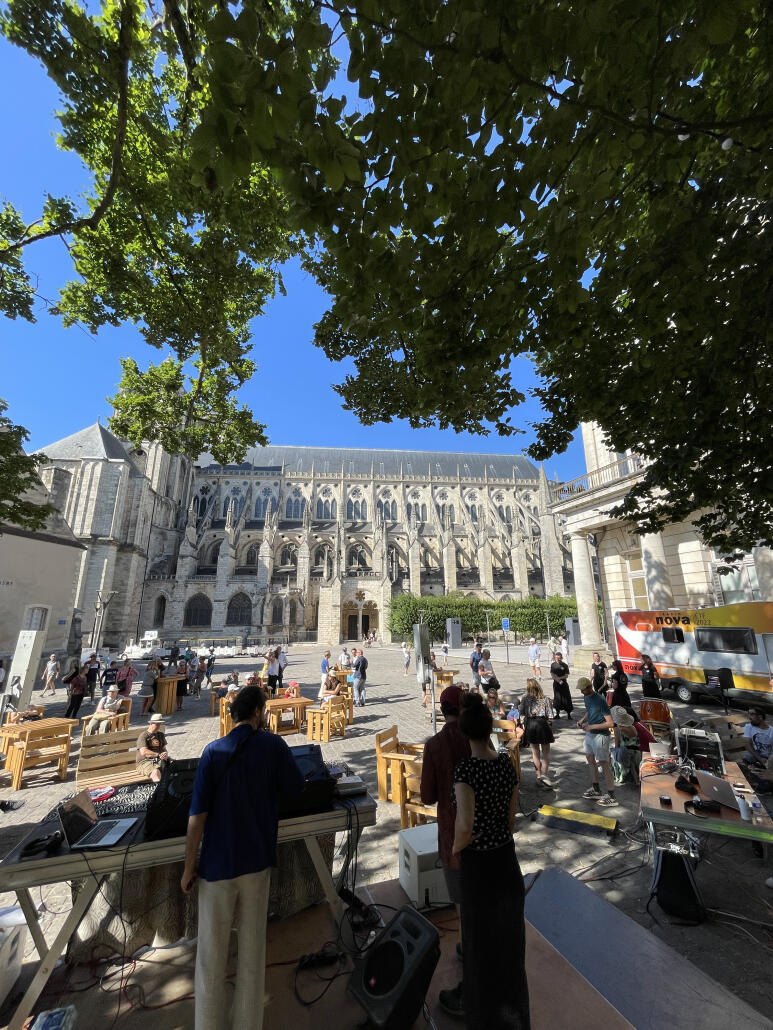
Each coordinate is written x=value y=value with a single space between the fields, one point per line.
x=170 y=802
x=390 y=979
x=675 y=888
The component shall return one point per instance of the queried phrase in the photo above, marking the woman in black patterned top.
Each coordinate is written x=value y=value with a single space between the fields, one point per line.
x=495 y=992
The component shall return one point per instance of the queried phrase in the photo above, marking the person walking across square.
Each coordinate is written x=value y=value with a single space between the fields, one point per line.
x=596 y=726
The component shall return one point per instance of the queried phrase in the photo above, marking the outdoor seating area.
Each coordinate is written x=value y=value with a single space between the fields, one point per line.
x=328 y=720
x=29 y=745
x=390 y=751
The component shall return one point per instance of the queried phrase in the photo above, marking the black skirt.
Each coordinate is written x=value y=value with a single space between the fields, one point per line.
x=537 y=730
x=562 y=698
x=496 y=995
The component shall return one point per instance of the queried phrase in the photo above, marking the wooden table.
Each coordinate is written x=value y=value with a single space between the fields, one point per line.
x=446 y=677
x=341 y=675
x=296 y=705
x=725 y=823
x=136 y=853
x=11 y=732
x=166 y=694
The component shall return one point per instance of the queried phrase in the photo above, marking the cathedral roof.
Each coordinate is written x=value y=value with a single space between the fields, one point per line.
x=93 y=442
x=362 y=461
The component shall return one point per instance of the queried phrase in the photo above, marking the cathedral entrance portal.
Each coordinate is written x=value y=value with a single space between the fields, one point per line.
x=365 y=624
x=351 y=627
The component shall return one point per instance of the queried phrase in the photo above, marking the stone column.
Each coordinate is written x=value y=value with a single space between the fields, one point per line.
x=585 y=591
x=653 y=556
x=449 y=565
x=265 y=565
x=485 y=568
x=520 y=567
x=414 y=567
x=763 y=561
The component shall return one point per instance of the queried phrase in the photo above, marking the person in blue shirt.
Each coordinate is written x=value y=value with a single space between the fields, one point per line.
x=475 y=658
x=596 y=724
x=234 y=816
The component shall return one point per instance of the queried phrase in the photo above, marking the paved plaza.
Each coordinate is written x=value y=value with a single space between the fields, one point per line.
x=731 y=876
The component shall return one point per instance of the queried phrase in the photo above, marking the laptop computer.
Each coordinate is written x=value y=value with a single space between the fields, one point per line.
x=82 y=827
x=714 y=788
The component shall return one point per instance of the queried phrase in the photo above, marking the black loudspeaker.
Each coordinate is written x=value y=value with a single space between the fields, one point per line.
x=170 y=802
x=391 y=978
x=674 y=887
x=319 y=785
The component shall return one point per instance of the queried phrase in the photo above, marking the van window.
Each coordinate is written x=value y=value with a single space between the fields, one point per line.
x=735 y=640
x=673 y=635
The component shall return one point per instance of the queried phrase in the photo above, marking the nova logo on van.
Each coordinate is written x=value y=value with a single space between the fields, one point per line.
x=672 y=620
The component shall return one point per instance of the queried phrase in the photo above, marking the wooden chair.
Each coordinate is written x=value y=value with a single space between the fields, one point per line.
x=505 y=732
x=213 y=700
x=226 y=722
x=389 y=751
x=413 y=811
x=108 y=760
x=656 y=716
x=327 y=720
x=40 y=747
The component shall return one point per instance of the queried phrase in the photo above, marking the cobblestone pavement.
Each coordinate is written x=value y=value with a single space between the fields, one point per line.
x=731 y=877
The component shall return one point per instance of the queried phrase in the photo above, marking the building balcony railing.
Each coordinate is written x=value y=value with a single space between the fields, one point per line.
x=623 y=468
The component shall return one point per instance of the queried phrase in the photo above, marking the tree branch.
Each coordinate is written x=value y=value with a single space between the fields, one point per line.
x=125 y=40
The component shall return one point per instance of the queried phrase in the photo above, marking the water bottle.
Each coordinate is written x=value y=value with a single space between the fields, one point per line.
x=743 y=805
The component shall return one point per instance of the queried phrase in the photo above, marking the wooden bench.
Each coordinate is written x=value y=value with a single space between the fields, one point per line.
x=389 y=752
x=413 y=811
x=328 y=720
x=108 y=760
x=119 y=721
x=40 y=747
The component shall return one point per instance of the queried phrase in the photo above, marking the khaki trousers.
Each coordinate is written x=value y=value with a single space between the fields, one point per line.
x=242 y=904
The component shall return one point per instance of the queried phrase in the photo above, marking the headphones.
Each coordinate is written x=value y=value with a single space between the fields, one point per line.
x=49 y=845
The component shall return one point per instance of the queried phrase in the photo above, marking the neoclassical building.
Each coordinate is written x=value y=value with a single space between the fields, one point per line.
x=298 y=542
x=672 y=569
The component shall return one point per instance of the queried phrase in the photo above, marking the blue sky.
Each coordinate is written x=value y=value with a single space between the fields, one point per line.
x=56 y=380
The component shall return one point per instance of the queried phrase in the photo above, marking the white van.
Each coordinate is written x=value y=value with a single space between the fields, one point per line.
x=689 y=646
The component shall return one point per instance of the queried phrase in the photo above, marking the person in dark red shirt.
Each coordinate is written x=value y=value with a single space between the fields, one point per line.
x=442 y=753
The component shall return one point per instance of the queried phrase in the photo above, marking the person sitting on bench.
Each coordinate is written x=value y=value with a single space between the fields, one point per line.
x=152 y=754
x=108 y=706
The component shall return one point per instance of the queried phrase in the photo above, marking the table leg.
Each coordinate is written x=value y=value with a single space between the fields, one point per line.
x=27 y=906
x=325 y=878
x=47 y=964
x=352 y=841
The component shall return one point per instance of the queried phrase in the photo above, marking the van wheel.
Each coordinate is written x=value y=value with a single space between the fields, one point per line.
x=684 y=693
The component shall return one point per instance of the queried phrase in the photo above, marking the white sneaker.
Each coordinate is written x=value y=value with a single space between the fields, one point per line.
x=607 y=801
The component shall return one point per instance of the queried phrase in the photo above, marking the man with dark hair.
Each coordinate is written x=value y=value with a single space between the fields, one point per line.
x=442 y=753
x=234 y=816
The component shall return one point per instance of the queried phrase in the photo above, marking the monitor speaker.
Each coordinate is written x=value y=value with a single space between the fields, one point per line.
x=391 y=978
x=170 y=802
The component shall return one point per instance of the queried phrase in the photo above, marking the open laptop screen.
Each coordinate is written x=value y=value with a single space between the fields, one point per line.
x=77 y=816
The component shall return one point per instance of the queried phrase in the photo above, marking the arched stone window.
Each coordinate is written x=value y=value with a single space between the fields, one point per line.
x=292 y=612
x=289 y=508
x=326 y=510
x=159 y=610
x=277 y=610
x=350 y=510
x=451 y=514
x=288 y=556
x=252 y=555
x=358 y=557
x=424 y=513
x=214 y=552
x=408 y=510
x=380 y=509
x=226 y=503
x=333 y=509
x=198 y=611
x=394 y=511
x=474 y=512
x=239 y=611
x=508 y=514
x=364 y=511
x=320 y=509
x=260 y=509
x=501 y=511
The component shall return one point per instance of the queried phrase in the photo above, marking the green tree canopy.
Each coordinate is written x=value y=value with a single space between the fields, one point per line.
x=20 y=487
x=586 y=183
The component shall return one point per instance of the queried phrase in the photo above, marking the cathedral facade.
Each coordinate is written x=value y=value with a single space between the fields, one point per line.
x=298 y=543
